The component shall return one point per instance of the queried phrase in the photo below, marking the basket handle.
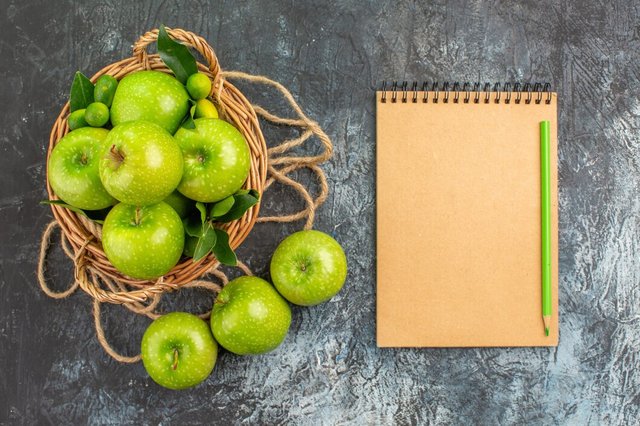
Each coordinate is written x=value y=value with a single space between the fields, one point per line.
x=186 y=37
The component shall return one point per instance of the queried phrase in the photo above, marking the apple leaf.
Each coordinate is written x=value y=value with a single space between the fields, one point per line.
x=176 y=56
x=222 y=207
x=205 y=243
x=203 y=211
x=222 y=250
x=243 y=202
x=190 y=245
x=65 y=205
x=192 y=226
x=81 y=92
x=188 y=122
x=73 y=209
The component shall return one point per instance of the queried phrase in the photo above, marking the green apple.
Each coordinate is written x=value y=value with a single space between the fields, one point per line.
x=143 y=242
x=181 y=204
x=216 y=160
x=308 y=267
x=250 y=317
x=73 y=169
x=178 y=350
x=152 y=96
x=141 y=164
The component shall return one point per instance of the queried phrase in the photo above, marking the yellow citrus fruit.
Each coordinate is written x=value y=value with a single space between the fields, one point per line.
x=205 y=109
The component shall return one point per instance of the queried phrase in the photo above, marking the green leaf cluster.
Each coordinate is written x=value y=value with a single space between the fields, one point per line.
x=203 y=237
x=176 y=56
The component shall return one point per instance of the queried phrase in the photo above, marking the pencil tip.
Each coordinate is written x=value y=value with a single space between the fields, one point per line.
x=546 y=319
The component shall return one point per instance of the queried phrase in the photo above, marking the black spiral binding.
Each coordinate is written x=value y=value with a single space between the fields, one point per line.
x=505 y=93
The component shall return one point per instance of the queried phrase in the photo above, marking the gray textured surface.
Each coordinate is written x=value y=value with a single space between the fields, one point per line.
x=329 y=371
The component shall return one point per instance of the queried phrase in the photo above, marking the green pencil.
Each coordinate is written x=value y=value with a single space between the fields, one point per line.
x=545 y=225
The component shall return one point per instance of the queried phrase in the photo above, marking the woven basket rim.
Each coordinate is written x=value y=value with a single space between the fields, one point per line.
x=83 y=234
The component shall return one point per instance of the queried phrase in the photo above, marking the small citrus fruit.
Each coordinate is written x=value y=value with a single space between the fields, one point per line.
x=105 y=89
x=76 y=119
x=205 y=109
x=97 y=114
x=198 y=86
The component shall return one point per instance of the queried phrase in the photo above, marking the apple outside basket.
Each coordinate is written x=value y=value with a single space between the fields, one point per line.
x=84 y=236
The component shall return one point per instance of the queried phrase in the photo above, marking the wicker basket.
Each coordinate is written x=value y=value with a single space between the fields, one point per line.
x=84 y=235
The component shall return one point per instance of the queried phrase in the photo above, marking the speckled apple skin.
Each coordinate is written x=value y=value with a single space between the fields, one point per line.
x=75 y=183
x=308 y=267
x=151 y=96
x=152 y=165
x=250 y=317
x=216 y=160
x=197 y=350
x=148 y=249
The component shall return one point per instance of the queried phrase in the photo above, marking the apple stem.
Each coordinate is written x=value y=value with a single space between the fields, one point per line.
x=116 y=154
x=175 y=359
x=137 y=215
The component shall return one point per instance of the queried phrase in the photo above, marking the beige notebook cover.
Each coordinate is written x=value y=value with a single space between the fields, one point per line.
x=458 y=221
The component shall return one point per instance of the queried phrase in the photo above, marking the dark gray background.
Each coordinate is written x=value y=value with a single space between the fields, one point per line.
x=329 y=371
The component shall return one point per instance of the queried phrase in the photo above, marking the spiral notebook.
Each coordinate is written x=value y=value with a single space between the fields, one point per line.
x=458 y=215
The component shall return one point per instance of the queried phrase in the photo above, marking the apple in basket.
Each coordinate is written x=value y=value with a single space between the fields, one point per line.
x=73 y=169
x=141 y=163
x=216 y=160
x=150 y=96
x=143 y=242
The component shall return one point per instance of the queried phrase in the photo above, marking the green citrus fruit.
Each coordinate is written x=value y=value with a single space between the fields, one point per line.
x=97 y=114
x=105 y=89
x=76 y=119
x=198 y=86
